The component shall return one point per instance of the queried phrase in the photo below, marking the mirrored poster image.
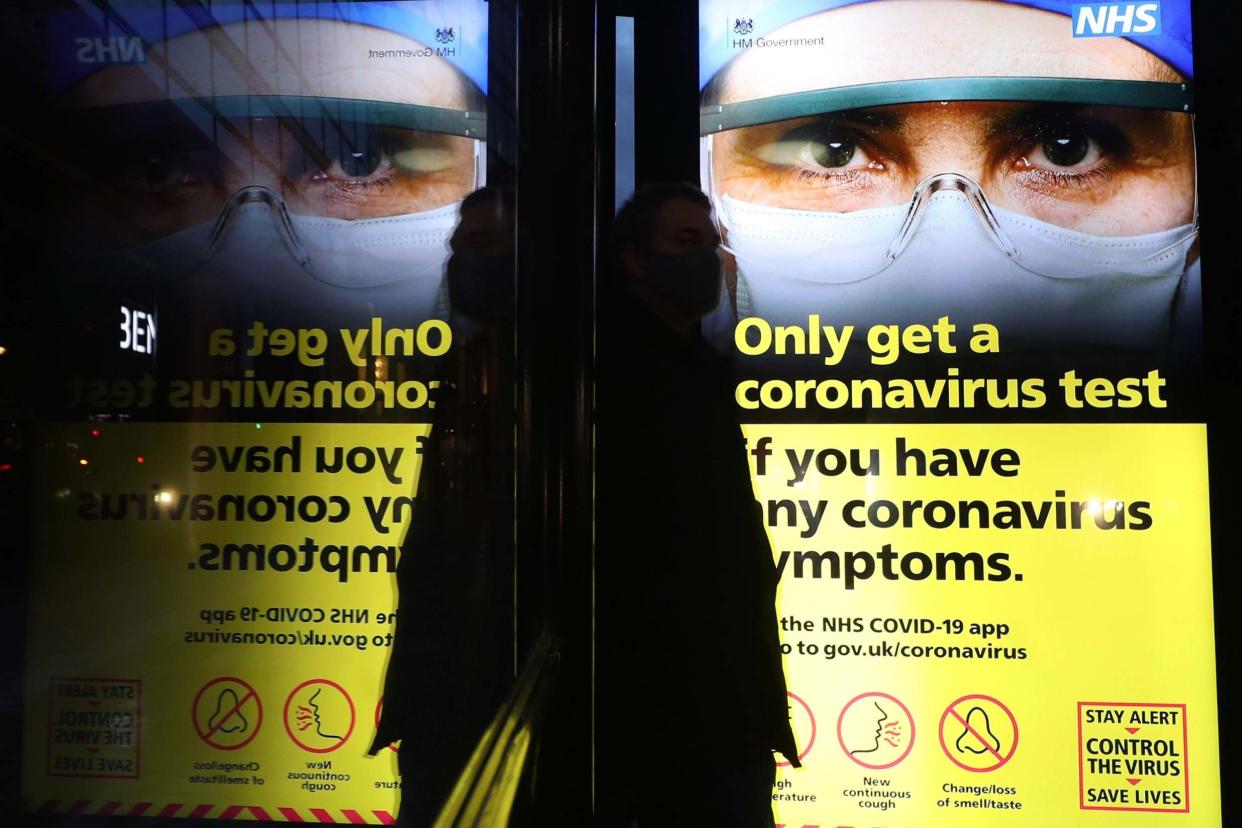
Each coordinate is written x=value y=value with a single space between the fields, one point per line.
x=964 y=303
x=283 y=291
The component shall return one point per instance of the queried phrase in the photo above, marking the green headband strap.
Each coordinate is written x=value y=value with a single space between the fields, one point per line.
x=470 y=124
x=1175 y=97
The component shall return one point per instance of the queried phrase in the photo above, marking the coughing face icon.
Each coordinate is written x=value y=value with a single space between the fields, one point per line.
x=319 y=716
x=876 y=730
x=308 y=717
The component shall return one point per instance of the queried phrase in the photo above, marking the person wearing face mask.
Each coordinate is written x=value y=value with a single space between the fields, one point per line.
x=479 y=272
x=1022 y=163
x=452 y=660
x=690 y=698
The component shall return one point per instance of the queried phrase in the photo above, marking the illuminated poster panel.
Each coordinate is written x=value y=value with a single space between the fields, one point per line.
x=253 y=212
x=966 y=311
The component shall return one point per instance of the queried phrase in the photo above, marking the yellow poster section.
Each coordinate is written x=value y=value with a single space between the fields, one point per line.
x=1067 y=679
x=188 y=659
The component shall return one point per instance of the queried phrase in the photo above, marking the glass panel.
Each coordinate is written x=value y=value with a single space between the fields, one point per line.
x=899 y=426
x=624 y=89
x=266 y=412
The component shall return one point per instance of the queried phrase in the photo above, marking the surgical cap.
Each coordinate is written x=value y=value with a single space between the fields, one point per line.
x=1171 y=41
x=456 y=29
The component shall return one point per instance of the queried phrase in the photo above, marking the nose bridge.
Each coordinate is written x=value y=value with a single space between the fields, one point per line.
x=256 y=200
x=970 y=190
x=253 y=151
x=946 y=137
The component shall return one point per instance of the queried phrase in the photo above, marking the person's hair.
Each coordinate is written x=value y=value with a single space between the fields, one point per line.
x=635 y=221
x=501 y=197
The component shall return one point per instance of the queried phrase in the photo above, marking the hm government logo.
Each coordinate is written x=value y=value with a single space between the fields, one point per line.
x=1116 y=19
x=446 y=35
x=742 y=37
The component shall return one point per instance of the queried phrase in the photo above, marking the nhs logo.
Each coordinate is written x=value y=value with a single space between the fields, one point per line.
x=1116 y=19
x=110 y=50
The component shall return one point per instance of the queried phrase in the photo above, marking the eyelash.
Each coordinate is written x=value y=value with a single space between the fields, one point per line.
x=1066 y=180
x=355 y=184
x=1112 y=145
x=852 y=179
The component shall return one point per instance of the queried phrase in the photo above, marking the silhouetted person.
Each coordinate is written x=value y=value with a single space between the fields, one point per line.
x=452 y=657
x=690 y=693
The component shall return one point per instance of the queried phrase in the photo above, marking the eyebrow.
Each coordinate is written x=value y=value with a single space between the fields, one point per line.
x=1029 y=116
x=868 y=118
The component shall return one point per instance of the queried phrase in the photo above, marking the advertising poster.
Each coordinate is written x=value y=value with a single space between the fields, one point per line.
x=964 y=281
x=253 y=220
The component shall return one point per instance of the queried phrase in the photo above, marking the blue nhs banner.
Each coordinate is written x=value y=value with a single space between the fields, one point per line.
x=1116 y=19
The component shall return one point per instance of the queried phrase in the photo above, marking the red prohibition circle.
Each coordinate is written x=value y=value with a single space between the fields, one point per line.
x=379 y=708
x=841 y=739
x=810 y=742
x=206 y=737
x=353 y=715
x=1003 y=759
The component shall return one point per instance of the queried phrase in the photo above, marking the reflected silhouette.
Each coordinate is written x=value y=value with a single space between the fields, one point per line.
x=452 y=656
x=690 y=693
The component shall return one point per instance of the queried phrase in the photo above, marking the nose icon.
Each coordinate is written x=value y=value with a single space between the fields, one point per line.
x=977 y=736
x=275 y=203
x=227 y=717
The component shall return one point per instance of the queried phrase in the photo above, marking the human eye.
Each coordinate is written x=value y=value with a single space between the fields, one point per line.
x=384 y=171
x=352 y=160
x=378 y=159
x=838 y=162
x=821 y=151
x=164 y=184
x=1068 y=148
x=356 y=171
x=1103 y=169
x=160 y=171
x=1055 y=152
x=156 y=166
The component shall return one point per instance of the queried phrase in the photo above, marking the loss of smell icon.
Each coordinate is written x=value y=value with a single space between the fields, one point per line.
x=977 y=736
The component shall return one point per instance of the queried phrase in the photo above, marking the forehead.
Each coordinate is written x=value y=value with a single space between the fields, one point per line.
x=914 y=39
x=320 y=58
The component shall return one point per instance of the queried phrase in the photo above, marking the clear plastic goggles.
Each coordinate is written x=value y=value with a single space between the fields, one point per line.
x=1063 y=189
x=154 y=169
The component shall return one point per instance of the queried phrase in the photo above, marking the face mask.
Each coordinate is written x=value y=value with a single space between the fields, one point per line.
x=1110 y=292
x=480 y=287
x=690 y=282
x=717 y=327
x=267 y=265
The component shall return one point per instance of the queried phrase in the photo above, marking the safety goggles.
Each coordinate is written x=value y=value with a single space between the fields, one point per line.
x=1068 y=178
x=153 y=169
